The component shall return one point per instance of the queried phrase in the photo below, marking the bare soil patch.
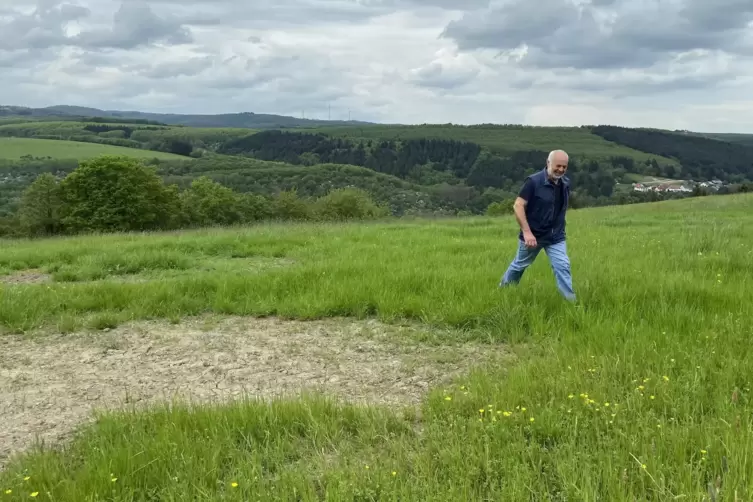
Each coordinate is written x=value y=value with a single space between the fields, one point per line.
x=26 y=277
x=50 y=384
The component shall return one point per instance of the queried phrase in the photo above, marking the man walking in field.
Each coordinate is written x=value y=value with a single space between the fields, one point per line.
x=540 y=210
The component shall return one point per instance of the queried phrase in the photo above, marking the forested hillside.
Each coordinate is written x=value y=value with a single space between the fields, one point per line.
x=502 y=139
x=739 y=138
x=433 y=160
x=698 y=157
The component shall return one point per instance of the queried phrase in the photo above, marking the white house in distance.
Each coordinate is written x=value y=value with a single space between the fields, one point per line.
x=662 y=188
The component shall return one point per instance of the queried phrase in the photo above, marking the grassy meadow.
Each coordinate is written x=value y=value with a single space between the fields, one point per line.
x=15 y=148
x=641 y=391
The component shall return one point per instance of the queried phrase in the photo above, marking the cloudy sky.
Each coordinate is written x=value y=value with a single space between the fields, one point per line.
x=659 y=63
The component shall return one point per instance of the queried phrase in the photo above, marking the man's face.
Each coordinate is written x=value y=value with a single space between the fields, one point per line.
x=558 y=166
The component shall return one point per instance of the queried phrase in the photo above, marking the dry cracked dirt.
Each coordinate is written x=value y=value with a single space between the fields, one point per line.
x=51 y=383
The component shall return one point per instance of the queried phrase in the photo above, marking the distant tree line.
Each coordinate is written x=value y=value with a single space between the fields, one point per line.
x=120 y=194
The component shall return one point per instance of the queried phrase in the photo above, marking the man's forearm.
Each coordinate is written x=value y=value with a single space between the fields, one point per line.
x=520 y=215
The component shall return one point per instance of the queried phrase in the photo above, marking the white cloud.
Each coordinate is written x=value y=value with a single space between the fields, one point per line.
x=409 y=61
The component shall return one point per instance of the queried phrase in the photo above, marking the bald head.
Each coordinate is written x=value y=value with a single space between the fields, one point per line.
x=556 y=163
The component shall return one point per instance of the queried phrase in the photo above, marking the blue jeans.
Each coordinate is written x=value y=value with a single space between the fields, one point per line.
x=557 y=254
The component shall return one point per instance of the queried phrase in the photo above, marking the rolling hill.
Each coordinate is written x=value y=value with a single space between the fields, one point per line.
x=18 y=148
x=579 y=142
x=242 y=119
x=743 y=139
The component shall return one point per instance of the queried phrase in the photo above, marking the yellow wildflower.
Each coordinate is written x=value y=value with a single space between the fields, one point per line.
x=666 y=378
x=8 y=492
x=34 y=494
x=448 y=398
x=235 y=485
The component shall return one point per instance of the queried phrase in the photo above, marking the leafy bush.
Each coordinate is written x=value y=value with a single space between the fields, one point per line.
x=111 y=193
x=41 y=207
x=209 y=203
x=499 y=208
x=349 y=204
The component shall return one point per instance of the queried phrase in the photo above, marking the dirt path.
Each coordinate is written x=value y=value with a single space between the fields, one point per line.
x=50 y=384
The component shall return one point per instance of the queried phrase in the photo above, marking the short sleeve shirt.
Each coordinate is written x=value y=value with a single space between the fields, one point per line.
x=527 y=190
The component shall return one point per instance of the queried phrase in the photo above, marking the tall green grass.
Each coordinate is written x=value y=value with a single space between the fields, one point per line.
x=639 y=392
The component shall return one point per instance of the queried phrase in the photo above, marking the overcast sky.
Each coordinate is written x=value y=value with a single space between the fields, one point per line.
x=685 y=64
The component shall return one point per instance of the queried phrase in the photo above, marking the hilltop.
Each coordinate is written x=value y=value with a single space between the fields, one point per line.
x=242 y=119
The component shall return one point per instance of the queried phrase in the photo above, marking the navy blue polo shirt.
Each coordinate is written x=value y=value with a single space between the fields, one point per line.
x=547 y=201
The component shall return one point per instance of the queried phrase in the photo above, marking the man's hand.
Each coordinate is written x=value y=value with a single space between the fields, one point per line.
x=529 y=239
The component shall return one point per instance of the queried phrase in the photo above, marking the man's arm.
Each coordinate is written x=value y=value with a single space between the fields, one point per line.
x=520 y=213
